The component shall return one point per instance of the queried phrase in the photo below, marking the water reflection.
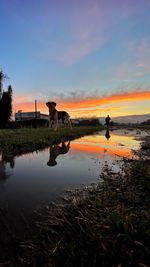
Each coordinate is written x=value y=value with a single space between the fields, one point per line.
x=4 y=159
x=120 y=144
x=56 y=150
x=34 y=182
x=8 y=158
x=3 y=175
x=107 y=134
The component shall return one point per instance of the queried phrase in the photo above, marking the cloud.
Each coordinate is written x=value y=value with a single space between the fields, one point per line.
x=86 y=25
x=28 y=106
x=79 y=96
x=139 y=74
x=23 y=98
x=81 y=48
x=87 y=32
x=88 y=106
x=90 y=25
x=143 y=55
x=137 y=61
x=99 y=101
x=140 y=65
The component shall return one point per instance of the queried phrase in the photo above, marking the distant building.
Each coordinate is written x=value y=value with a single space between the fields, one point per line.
x=25 y=116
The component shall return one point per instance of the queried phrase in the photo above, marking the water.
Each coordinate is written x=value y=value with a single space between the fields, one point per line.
x=35 y=179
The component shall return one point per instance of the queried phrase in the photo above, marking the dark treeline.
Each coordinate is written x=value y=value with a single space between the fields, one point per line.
x=5 y=102
x=87 y=122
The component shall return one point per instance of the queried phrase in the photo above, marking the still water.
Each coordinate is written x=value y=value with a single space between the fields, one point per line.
x=31 y=180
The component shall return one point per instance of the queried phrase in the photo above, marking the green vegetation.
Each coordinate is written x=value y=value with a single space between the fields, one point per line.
x=107 y=224
x=24 y=140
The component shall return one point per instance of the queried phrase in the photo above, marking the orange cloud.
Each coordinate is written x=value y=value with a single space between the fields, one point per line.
x=98 y=101
x=29 y=106
x=83 y=107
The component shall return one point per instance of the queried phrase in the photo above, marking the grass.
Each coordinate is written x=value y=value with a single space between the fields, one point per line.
x=28 y=139
x=24 y=140
x=107 y=224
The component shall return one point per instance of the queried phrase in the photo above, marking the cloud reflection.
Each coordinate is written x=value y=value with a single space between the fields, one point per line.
x=97 y=145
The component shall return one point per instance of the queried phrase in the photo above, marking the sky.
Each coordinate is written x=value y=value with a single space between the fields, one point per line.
x=92 y=57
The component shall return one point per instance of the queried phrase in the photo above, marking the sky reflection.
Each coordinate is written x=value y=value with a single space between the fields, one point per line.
x=40 y=177
x=120 y=145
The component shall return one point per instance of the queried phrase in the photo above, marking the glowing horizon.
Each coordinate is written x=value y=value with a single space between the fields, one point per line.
x=90 y=107
x=91 y=57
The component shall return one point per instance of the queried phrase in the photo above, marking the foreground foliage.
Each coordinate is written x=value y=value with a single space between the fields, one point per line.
x=24 y=140
x=107 y=224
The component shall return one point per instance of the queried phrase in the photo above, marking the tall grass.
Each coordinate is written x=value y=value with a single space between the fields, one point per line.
x=107 y=224
x=103 y=225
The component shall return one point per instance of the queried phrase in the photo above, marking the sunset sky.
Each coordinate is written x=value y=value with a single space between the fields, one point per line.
x=90 y=56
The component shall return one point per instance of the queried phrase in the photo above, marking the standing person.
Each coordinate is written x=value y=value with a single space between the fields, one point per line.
x=107 y=119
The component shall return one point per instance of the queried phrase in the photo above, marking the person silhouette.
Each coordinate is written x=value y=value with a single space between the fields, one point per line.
x=56 y=150
x=107 y=134
x=107 y=120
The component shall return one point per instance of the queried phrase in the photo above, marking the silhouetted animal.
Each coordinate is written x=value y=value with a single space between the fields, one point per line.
x=56 y=116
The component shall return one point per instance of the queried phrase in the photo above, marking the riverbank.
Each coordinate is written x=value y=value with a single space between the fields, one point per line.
x=106 y=224
x=19 y=141
x=24 y=140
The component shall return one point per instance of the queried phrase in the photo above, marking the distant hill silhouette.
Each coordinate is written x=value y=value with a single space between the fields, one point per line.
x=128 y=119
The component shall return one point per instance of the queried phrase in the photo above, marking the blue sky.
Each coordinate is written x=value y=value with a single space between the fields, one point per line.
x=71 y=51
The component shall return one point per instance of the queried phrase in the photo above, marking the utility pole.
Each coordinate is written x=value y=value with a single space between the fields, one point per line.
x=35 y=108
